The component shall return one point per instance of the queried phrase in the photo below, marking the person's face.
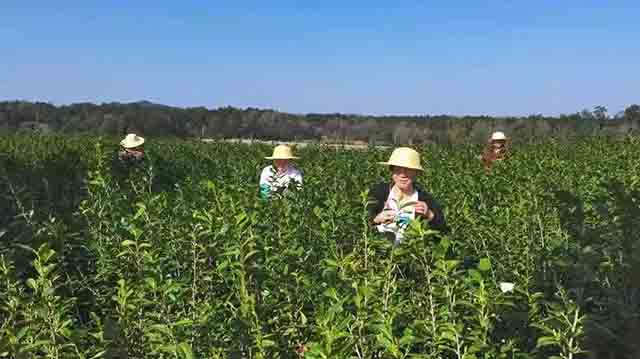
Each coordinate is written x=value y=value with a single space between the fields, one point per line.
x=497 y=144
x=281 y=164
x=136 y=151
x=403 y=177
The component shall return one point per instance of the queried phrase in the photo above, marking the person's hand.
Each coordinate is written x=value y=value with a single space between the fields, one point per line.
x=137 y=155
x=423 y=210
x=384 y=217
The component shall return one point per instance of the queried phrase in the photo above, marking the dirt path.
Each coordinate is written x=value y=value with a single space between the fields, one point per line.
x=351 y=146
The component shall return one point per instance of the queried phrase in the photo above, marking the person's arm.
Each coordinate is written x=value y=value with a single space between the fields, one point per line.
x=435 y=215
x=264 y=176
x=298 y=178
x=438 y=221
x=487 y=159
x=375 y=202
x=265 y=182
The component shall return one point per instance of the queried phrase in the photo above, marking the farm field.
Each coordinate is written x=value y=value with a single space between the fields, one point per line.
x=179 y=258
x=352 y=145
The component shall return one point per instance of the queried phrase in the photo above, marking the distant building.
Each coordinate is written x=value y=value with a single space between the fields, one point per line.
x=34 y=126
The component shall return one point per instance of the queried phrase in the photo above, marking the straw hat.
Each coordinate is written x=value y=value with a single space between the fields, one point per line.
x=404 y=157
x=282 y=152
x=498 y=136
x=132 y=141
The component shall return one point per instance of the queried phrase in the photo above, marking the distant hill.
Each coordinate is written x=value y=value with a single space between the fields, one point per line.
x=152 y=119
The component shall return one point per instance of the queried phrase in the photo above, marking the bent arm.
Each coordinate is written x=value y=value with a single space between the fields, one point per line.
x=265 y=183
x=298 y=179
x=265 y=177
x=438 y=221
x=375 y=202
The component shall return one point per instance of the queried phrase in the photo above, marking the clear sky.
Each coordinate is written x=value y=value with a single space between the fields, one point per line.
x=352 y=56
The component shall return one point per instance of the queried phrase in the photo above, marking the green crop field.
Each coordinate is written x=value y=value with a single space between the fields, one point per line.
x=179 y=258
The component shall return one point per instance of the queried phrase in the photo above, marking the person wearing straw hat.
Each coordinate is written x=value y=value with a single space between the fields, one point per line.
x=392 y=205
x=277 y=177
x=132 y=149
x=496 y=150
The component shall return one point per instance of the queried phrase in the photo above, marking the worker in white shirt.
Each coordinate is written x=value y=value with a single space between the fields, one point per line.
x=132 y=149
x=277 y=177
x=394 y=203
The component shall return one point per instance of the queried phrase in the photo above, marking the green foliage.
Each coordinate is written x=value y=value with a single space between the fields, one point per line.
x=180 y=258
x=156 y=120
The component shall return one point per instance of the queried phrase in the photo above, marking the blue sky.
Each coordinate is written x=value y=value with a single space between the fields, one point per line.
x=366 y=57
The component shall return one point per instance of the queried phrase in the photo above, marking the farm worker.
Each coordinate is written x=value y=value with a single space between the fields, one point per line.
x=132 y=150
x=278 y=176
x=495 y=150
x=392 y=205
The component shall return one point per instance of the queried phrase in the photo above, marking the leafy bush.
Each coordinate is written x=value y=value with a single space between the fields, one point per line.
x=179 y=258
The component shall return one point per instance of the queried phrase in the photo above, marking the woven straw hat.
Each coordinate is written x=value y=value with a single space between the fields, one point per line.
x=282 y=152
x=132 y=141
x=498 y=136
x=404 y=157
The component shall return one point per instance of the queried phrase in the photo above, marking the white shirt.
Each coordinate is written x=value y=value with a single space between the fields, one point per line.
x=270 y=181
x=403 y=213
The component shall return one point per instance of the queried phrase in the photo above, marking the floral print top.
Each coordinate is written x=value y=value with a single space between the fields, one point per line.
x=403 y=210
x=271 y=182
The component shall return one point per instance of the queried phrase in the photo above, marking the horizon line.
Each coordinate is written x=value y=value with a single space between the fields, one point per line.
x=246 y=108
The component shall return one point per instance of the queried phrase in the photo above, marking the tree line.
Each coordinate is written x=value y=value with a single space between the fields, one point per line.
x=156 y=120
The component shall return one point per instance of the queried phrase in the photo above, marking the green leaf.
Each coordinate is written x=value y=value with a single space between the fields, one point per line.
x=161 y=328
x=384 y=342
x=407 y=337
x=267 y=343
x=99 y=355
x=448 y=335
x=330 y=262
x=32 y=283
x=183 y=322
x=452 y=264
x=546 y=341
x=127 y=243
x=445 y=244
x=250 y=254
x=151 y=282
x=484 y=265
x=303 y=319
x=241 y=218
x=475 y=275
x=331 y=293
x=185 y=350
x=36 y=345
x=141 y=211
x=168 y=348
x=22 y=332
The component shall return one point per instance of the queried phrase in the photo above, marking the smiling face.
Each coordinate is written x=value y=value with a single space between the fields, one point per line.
x=497 y=144
x=135 y=151
x=281 y=165
x=403 y=178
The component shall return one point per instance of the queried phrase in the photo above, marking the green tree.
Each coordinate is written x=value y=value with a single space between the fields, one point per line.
x=632 y=112
x=600 y=113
